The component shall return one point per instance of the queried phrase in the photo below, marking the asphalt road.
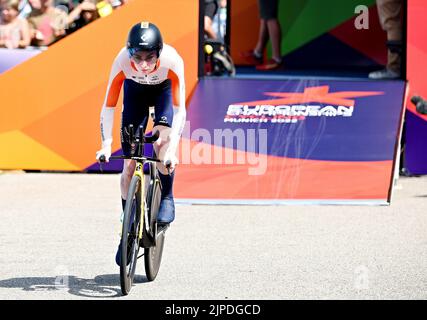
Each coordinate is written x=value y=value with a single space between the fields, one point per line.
x=59 y=234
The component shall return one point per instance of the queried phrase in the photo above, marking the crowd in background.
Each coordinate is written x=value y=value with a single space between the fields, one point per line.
x=215 y=19
x=40 y=23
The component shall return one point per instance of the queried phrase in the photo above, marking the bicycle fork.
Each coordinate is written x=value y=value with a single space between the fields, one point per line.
x=139 y=172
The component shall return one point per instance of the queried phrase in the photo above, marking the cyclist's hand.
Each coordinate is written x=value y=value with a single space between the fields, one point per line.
x=172 y=159
x=106 y=152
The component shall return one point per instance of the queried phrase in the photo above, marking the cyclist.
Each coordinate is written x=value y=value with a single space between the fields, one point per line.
x=152 y=74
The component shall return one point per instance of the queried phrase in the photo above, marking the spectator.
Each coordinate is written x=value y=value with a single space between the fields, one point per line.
x=389 y=12
x=64 y=5
x=14 y=31
x=24 y=8
x=69 y=4
x=115 y=3
x=211 y=7
x=83 y=14
x=269 y=29
x=420 y=104
x=48 y=23
x=219 y=24
x=104 y=8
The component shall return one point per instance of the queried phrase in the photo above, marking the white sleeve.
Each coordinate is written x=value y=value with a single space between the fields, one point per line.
x=107 y=121
x=115 y=83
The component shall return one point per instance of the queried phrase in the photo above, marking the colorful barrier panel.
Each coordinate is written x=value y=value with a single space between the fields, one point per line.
x=12 y=57
x=275 y=141
x=315 y=34
x=416 y=124
x=49 y=119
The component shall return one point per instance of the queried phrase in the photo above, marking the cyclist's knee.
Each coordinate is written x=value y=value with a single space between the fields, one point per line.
x=163 y=135
x=159 y=144
x=126 y=175
x=163 y=169
x=128 y=169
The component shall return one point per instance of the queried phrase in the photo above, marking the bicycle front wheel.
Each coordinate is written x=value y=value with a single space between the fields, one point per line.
x=130 y=243
x=153 y=254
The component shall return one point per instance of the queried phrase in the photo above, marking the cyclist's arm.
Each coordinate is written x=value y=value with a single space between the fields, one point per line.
x=115 y=83
x=179 y=104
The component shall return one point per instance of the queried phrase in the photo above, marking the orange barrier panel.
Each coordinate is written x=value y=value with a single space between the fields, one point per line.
x=49 y=115
x=244 y=28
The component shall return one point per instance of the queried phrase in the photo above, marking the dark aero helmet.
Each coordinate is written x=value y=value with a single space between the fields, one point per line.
x=144 y=36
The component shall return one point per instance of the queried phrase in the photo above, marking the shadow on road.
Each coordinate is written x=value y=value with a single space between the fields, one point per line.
x=102 y=286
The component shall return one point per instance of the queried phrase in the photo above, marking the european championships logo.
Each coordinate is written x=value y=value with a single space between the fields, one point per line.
x=291 y=107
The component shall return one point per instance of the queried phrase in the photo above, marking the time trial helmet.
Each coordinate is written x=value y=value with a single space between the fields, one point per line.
x=144 y=36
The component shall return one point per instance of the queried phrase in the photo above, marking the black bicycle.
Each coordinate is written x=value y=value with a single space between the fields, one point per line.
x=139 y=225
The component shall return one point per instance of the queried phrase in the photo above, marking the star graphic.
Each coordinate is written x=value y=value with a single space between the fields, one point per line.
x=313 y=94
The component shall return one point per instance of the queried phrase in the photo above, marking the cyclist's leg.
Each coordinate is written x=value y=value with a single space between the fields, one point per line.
x=163 y=110
x=127 y=172
x=135 y=112
x=167 y=207
x=163 y=123
x=161 y=145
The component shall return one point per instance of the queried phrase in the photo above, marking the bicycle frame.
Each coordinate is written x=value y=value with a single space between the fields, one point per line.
x=139 y=171
x=148 y=198
x=137 y=155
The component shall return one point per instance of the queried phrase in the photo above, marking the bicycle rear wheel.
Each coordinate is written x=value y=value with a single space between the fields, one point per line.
x=153 y=255
x=130 y=230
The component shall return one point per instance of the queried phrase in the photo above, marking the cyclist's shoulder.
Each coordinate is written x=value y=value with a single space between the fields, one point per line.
x=170 y=52
x=121 y=56
x=170 y=55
